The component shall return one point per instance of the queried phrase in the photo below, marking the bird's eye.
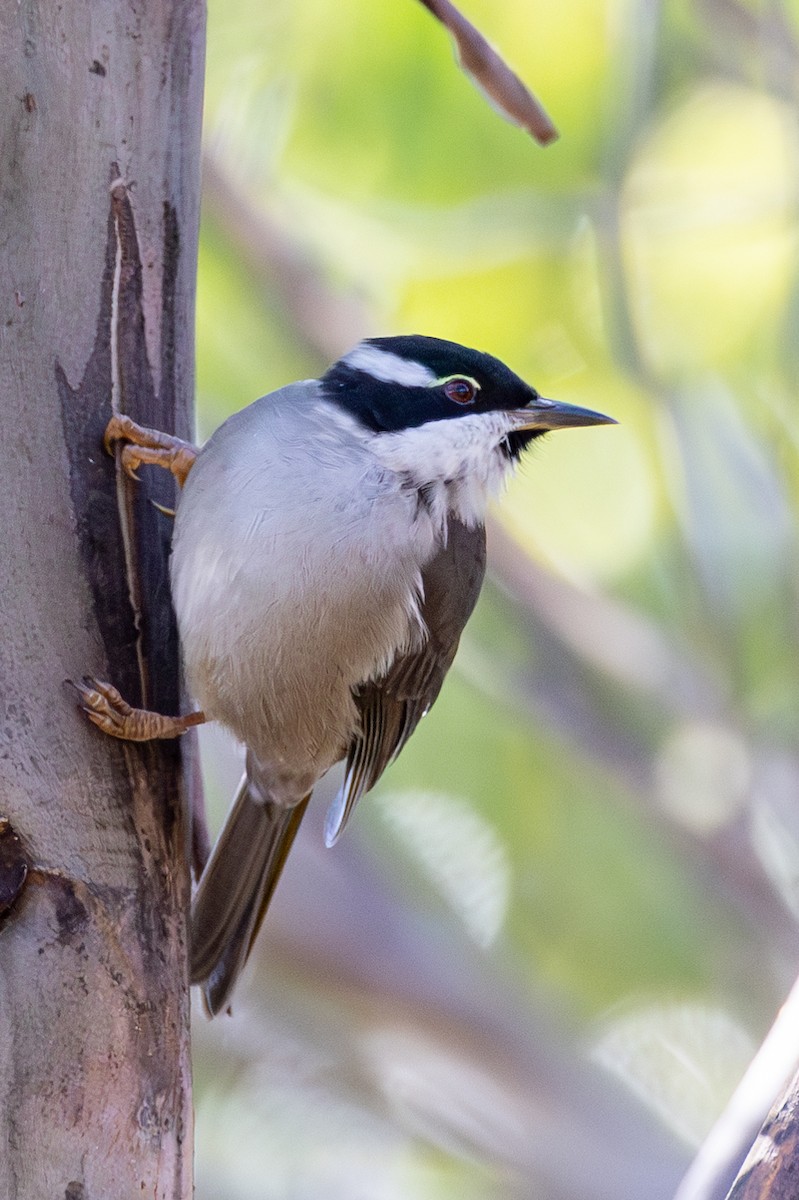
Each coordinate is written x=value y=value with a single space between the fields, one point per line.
x=462 y=391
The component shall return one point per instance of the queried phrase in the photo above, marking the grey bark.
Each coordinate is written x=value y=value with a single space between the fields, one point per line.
x=99 y=198
x=771 y=1168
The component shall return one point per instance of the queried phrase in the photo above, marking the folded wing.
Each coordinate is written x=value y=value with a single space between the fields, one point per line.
x=392 y=706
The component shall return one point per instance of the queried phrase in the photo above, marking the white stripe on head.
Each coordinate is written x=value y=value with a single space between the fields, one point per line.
x=388 y=367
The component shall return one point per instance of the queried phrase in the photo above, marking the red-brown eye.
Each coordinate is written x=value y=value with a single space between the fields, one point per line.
x=462 y=391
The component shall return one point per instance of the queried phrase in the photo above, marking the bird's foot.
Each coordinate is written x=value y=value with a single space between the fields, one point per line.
x=142 y=445
x=106 y=709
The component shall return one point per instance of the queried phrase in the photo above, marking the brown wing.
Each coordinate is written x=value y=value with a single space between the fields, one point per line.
x=392 y=706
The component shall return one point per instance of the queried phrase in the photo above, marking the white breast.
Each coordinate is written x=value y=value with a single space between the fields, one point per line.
x=295 y=573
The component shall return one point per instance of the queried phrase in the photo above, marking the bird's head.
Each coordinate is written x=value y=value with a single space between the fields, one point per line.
x=442 y=413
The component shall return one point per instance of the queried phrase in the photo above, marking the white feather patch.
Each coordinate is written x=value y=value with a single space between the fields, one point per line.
x=388 y=367
x=458 y=462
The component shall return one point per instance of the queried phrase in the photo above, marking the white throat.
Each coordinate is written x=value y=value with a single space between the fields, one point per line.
x=456 y=463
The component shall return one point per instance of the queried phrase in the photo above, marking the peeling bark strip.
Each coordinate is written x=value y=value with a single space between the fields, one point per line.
x=14 y=866
x=128 y=574
x=492 y=75
x=84 y=413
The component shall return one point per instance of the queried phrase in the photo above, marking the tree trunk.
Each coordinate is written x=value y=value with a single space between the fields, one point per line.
x=99 y=198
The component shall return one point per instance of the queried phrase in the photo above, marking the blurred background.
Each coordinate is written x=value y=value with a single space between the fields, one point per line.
x=541 y=958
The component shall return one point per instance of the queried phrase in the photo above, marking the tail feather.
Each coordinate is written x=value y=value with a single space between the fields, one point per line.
x=235 y=889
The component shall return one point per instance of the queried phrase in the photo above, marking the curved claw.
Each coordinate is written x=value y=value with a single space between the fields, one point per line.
x=103 y=705
x=106 y=708
x=130 y=460
x=144 y=445
x=118 y=428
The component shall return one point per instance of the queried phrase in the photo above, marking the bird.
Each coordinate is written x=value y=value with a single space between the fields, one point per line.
x=328 y=549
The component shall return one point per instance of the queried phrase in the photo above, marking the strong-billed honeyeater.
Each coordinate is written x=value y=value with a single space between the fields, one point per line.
x=329 y=547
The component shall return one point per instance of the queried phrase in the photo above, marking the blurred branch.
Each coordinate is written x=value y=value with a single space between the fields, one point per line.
x=328 y=320
x=618 y=316
x=738 y=32
x=610 y=638
x=722 y=1151
x=635 y=75
x=606 y=633
x=491 y=74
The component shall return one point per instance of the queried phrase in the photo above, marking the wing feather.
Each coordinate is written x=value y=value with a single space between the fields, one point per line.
x=391 y=707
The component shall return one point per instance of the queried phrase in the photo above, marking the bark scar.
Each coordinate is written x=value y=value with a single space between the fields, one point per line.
x=125 y=533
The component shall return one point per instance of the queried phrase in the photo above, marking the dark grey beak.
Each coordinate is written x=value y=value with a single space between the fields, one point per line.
x=541 y=413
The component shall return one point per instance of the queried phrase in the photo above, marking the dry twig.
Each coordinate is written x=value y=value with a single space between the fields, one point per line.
x=492 y=75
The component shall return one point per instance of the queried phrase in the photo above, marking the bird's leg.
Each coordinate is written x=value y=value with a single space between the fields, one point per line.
x=144 y=445
x=105 y=707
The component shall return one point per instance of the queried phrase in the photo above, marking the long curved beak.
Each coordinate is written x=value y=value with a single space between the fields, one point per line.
x=541 y=413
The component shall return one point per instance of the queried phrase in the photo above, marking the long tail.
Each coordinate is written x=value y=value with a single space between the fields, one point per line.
x=235 y=890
